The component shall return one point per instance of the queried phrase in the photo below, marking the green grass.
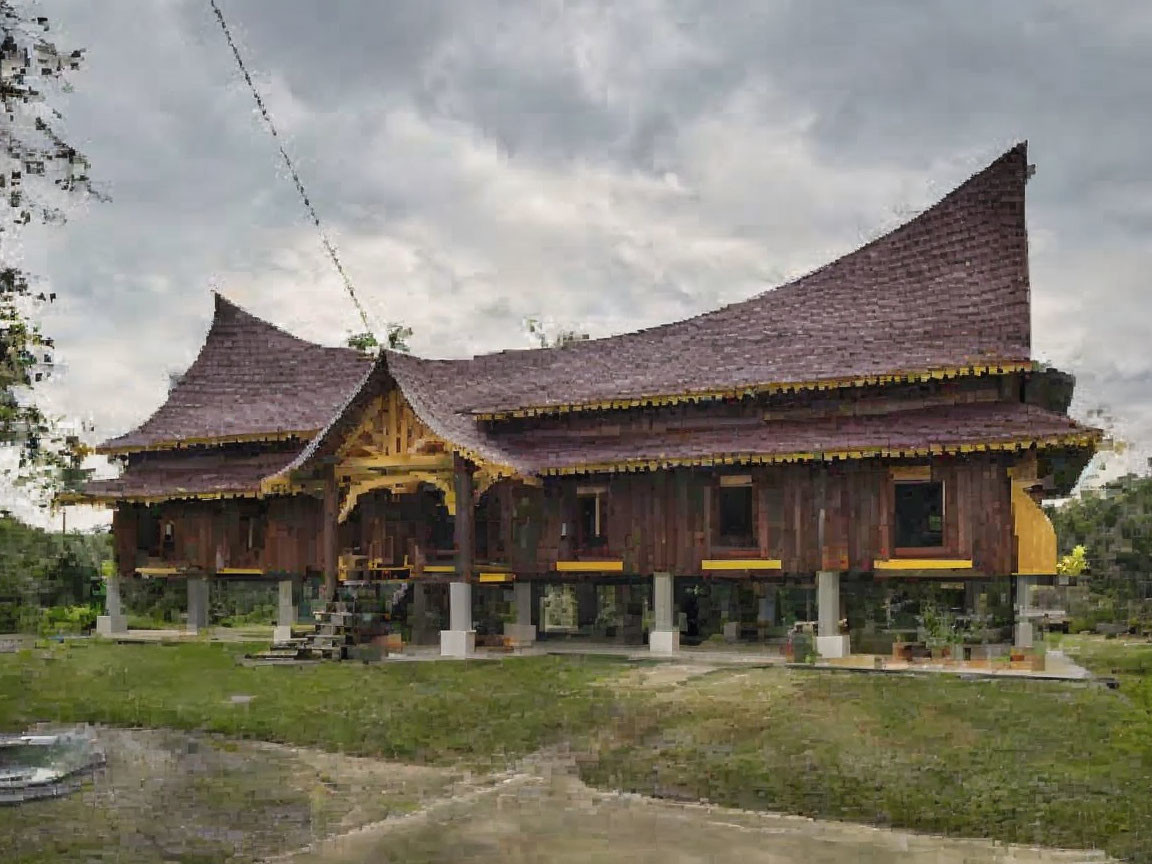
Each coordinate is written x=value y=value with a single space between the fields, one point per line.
x=1023 y=762
x=1124 y=658
x=1019 y=761
x=435 y=713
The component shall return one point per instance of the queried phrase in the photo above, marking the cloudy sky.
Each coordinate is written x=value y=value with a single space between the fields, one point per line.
x=600 y=165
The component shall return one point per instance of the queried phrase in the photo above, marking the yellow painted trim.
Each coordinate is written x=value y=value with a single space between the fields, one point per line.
x=439 y=568
x=1033 y=532
x=418 y=461
x=741 y=564
x=1079 y=439
x=181 y=443
x=937 y=374
x=497 y=577
x=615 y=566
x=923 y=564
x=911 y=472
x=159 y=571
x=240 y=571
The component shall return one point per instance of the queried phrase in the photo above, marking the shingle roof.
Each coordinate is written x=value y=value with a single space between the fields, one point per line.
x=949 y=289
x=913 y=432
x=250 y=380
x=215 y=471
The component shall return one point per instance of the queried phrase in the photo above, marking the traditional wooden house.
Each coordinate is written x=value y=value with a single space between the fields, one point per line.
x=814 y=452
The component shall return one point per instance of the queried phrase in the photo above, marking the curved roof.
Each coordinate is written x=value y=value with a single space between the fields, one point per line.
x=944 y=294
x=947 y=290
x=251 y=381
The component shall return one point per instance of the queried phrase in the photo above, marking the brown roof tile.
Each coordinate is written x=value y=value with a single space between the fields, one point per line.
x=185 y=473
x=941 y=427
x=250 y=379
x=947 y=289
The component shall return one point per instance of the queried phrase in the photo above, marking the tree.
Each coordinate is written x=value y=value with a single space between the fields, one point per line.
x=40 y=173
x=1110 y=531
x=396 y=340
x=538 y=333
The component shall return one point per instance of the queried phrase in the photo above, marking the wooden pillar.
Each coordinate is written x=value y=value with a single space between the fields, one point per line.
x=465 y=525
x=330 y=535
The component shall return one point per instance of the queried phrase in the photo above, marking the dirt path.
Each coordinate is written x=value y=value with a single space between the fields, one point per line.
x=555 y=818
x=175 y=796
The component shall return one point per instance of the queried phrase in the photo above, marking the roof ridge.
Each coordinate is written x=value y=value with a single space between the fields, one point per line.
x=1020 y=148
x=223 y=305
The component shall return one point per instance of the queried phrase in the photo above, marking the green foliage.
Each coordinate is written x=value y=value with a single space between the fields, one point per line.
x=365 y=342
x=538 y=333
x=58 y=620
x=396 y=339
x=42 y=568
x=1075 y=563
x=939 y=625
x=398 y=336
x=38 y=172
x=1106 y=538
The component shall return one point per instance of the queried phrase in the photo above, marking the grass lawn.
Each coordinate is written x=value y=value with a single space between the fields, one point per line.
x=477 y=713
x=1019 y=761
x=1023 y=762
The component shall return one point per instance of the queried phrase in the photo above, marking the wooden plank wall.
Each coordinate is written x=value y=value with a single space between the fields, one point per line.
x=206 y=533
x=661 y=521
x=658 y=521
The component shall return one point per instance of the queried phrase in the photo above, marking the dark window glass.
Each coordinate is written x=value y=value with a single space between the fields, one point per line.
x=590 y=520
x=735 y=516
x=919 y=515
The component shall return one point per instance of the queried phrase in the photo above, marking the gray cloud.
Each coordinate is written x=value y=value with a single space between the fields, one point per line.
x=606 y=165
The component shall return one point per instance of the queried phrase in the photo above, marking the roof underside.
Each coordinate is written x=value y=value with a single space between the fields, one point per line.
x=251 y=380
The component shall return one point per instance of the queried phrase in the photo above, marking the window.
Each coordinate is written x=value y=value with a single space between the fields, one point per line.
x=590 y=516
x=734 y=519
x=919 y=515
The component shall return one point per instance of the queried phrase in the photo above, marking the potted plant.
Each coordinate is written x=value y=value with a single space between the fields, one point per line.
x=939 y=630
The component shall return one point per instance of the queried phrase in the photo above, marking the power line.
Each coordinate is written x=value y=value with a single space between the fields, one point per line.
x=291 y=168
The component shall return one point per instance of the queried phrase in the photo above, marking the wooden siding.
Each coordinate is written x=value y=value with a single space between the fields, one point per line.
x=811 y=517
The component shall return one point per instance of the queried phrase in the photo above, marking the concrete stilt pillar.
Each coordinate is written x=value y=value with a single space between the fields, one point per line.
x=418 y=612
x=197 y=604
x=460 y=639
x=1023 y=631
x=829 y=641
x=522 y=632
x=732 y=624
x=766 y=613
x=285 y=612
x=113 y=621
x=665 y=637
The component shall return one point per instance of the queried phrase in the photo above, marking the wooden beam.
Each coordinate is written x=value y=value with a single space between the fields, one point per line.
x=407 y=461
x=465 y=526
x=330 y=535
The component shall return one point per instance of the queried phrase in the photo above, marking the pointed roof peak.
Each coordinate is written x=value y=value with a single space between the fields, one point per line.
x=250 y=379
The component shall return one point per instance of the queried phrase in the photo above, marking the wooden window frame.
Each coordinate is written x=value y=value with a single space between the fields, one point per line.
x=598 y=494
x=918 y=475
x=729 y=481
